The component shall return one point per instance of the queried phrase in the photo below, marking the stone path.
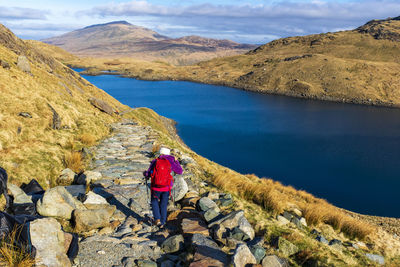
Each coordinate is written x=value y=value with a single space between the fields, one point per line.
x=121 y=159
x=197 y=232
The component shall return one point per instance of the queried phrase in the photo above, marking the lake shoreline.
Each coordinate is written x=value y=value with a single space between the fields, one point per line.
x=144 y=77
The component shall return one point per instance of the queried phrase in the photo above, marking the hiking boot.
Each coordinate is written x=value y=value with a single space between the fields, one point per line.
x=157 y=222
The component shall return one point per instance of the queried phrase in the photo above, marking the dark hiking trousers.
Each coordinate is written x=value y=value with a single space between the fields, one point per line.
x=159 y=203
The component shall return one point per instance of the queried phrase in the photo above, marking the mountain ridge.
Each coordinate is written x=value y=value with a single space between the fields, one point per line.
x=122 y=39
x=358 y=66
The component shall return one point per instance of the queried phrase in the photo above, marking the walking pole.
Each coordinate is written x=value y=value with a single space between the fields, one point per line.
x=148 y=198
x=174 y=198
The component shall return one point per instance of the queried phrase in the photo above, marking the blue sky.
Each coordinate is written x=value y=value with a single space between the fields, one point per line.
x=252 y=21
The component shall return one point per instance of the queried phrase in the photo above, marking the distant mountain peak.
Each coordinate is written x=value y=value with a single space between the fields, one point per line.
x=119 y=22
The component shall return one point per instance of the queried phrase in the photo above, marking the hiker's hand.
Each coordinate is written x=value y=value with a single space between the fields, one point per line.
x=145 y=174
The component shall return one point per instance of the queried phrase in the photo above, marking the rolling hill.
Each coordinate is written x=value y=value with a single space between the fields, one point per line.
x=122 y=39
x=357 y=66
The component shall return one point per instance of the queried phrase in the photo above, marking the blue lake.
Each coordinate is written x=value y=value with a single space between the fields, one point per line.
x=347 y=154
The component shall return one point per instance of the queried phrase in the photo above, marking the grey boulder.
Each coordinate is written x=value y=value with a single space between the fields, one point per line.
x=206 y=203
x=173 y=244
x=19 y=196
x=180 y=188
x=93 y=198
x=243 y=256
x=376 y=258
x=236 y=219
x=86 y=220
x=58 y=202
x=286 y=247
x=88 y=177
x=48 y=239
x=274 y=261
x=67 y=177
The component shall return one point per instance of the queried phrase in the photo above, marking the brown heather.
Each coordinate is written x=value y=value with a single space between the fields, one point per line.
x=74 y=161
x=11 y=255
x=87 y=139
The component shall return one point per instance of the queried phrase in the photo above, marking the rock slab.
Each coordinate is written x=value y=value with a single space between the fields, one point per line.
x=58 y=202
x=86 y=220
x=48 y=239
x=243 y=256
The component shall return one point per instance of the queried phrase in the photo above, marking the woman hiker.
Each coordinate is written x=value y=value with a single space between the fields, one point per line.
x=161 y=183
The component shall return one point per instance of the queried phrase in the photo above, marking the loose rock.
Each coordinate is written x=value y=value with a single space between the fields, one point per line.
x=205 y=204
x=48 y=239
x=286 y=248
x=86 y=220
x=180 y=188
x=18 y=194
x=66 y=178
x=56 y=122
x=243 y=256
x=58 y=202
x=258 y=252
x=194 y=226
x=87 y=177
x=93 y=198
x=376 y=258
x=207 y=252
x=274 y=261
x=282 y=220
x=25 y=114
x=173 y=244
x=211 y=214
x=101 y=105
x=23 y=64
x=322 y=239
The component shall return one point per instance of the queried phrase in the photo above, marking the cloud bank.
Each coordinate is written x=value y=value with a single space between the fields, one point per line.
x=257 y=21
x=253 y=22
x=17 y=13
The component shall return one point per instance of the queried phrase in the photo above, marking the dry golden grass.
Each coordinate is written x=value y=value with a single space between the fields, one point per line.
x=156 y=147
x=74 y=161
x=322 y=212
x=29 y=147
x=11 y=255
x=275 y=197
x=87 y=139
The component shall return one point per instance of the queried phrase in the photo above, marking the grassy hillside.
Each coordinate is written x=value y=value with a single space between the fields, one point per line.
x=358 y=66
x=30 y=147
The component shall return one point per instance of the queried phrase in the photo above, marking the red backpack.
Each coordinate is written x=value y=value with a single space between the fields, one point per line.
x=161 y=175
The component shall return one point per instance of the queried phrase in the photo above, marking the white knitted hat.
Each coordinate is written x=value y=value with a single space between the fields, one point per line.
x=165 y=151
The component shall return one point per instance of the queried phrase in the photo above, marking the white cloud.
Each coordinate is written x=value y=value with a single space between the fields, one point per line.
x=17 y=13
x=255 y=22
x=277 y=19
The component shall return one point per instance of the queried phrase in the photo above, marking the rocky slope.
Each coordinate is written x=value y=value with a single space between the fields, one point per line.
x=122 y=39
x=206 y=227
